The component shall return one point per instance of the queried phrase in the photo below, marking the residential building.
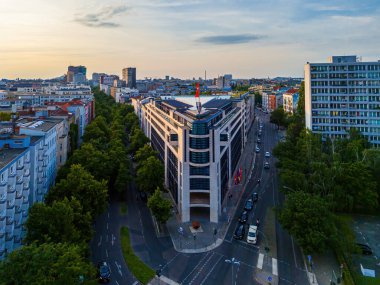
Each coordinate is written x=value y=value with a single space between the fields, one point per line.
x=200 y=147
x=290 y=100
x=76 y=74
x=129 y=76
x=342 y=94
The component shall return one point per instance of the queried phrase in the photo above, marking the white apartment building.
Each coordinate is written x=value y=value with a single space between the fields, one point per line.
x=200 y=150
x=341 y=94
x=290 y=100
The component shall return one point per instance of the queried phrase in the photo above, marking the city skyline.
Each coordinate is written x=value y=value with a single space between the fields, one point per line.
x=183 y=38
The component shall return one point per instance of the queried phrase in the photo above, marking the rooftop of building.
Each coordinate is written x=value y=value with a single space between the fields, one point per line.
x=38 y=124
x=7 y=155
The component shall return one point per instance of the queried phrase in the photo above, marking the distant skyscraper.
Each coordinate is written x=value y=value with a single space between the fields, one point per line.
x=129 y=76
x=75 y=73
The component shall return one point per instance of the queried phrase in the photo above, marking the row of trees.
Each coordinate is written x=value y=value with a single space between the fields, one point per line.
x=58 y=231
x=321 y=178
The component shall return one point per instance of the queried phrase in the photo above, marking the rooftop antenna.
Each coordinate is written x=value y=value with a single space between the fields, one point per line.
x=198 y=102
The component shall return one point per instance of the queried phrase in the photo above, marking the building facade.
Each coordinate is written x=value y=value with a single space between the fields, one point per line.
x=290 y=100
x=129 y=76
x=341 y=94
x=200 y=150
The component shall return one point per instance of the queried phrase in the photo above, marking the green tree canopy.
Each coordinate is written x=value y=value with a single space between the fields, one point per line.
x=150 y=175
x=308 y=219
x=81 y=185
x=161 y=207
x=137 y=140
x=278 y=117
x=144 y=153
x=49 y=263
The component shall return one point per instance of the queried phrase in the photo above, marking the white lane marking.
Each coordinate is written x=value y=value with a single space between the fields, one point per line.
x=117 y=282
x=274 y=267
x=107 y=253
x=167 y=280
x=212 y=268
x=260 y=261
x=294 y=253
x=100 y=241
x=113 y=239
x=135 y=283
x=119 y=268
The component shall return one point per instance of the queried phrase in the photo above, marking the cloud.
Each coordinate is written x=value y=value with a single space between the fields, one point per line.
x=102 y=17
x=229 y=39
x=359 y=20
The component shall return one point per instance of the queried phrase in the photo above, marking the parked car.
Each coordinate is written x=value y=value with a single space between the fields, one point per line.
x=365 y=248
x=104 y=273
x=266 y=165
x=243 y=217
x=248 y=205
x=255 y=197
x=257 y=149
x=252 y=234
x=239 y=232
x=267 y=154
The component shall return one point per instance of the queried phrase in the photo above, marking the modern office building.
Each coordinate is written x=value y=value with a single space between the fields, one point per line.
x=129 y=76
x=341 y=94
x=76 y=74
x=200 y=147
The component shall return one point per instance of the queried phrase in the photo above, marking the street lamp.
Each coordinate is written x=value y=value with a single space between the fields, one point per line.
x=233 y=261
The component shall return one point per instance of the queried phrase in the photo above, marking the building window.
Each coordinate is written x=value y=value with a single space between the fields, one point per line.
x=199 y=184
x=199 y=129
x=204 y=171
x=199 y=157
x=223 y=137
x=174 y=137
x=158 y=144
x=172 y=174
x=199 y=143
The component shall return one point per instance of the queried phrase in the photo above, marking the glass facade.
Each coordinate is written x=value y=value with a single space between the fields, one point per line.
x=235 y=149
x=224 y=175
x=199 y=143
x=205 y=171
x=199 y=184
x=199 y=128
x=172 y=174
x=158 y=144
x=200 y=157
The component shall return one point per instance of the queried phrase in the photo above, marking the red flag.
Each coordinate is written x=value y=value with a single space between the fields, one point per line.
x=197 y=90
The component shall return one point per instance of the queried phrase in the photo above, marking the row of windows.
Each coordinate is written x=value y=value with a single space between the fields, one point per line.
x=345 y=90
x=199 y=184
x=337 y=121
x=158 y=144
x=343 y=98
x=199 y=129
x=346 y=83
x=200 y=157
x=204 y=171
x=199 y=143
x=358 y=67
x=224 y=175
x=236 y=146
x=172 y=174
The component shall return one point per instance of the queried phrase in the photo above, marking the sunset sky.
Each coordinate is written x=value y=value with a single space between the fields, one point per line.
x=182 y=38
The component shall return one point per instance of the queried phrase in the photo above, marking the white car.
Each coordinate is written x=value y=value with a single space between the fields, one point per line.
x=257 y=149
x=252 y=234
x=267 y=154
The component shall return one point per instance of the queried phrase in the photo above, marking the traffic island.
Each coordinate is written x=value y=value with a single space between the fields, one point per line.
x=139 y=269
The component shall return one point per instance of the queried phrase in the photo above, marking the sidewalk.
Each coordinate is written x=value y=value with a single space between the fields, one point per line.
x=325 y=270
x=211 y=235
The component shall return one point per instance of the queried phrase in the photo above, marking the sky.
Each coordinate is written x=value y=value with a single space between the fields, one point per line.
x=183 y=38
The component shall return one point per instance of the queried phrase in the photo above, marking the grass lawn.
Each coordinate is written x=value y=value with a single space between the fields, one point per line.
x=123 y=208
x=138 y=268
x=362 y=280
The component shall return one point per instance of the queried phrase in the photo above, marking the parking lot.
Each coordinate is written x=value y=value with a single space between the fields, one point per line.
x=367 y=231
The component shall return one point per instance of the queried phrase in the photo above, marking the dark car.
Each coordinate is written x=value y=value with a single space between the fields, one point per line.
x=365 y=248
x=255 y=197
x=104 y=272
x=248 y=205
x=258 y=140
x=266 y=165
x=243 y=217
x=239 y=232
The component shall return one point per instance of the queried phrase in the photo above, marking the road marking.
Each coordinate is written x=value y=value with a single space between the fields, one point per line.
x=260 y=261
x=107 y=253
x=167 y=280
x=274 y=267
x=100 y=241
x=119 y=268
x=117 y=282
x=212 y=268
x=294 y=253
x=135 y=283
x=113 y=239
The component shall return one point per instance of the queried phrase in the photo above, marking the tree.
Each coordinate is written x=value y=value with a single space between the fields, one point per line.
x=80 y=184
x=73 y=135
x=150 y=174
x=308 y=219
x=131 y=121
x=137 y=140
x=258 y=99
x=48 y=263
x=63 y=221
x=97 y=131
x=161 y=207
x=5 y=116
x=301 y=101
x=123 y=177
x=144 y=153
x=278 y=117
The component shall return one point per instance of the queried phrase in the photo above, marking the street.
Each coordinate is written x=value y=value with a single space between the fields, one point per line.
x=283 y=261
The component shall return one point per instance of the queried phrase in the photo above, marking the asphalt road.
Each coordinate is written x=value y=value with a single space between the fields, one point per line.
x=210 y=267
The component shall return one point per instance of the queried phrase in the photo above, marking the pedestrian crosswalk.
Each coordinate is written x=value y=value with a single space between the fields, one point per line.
x=270 y=264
